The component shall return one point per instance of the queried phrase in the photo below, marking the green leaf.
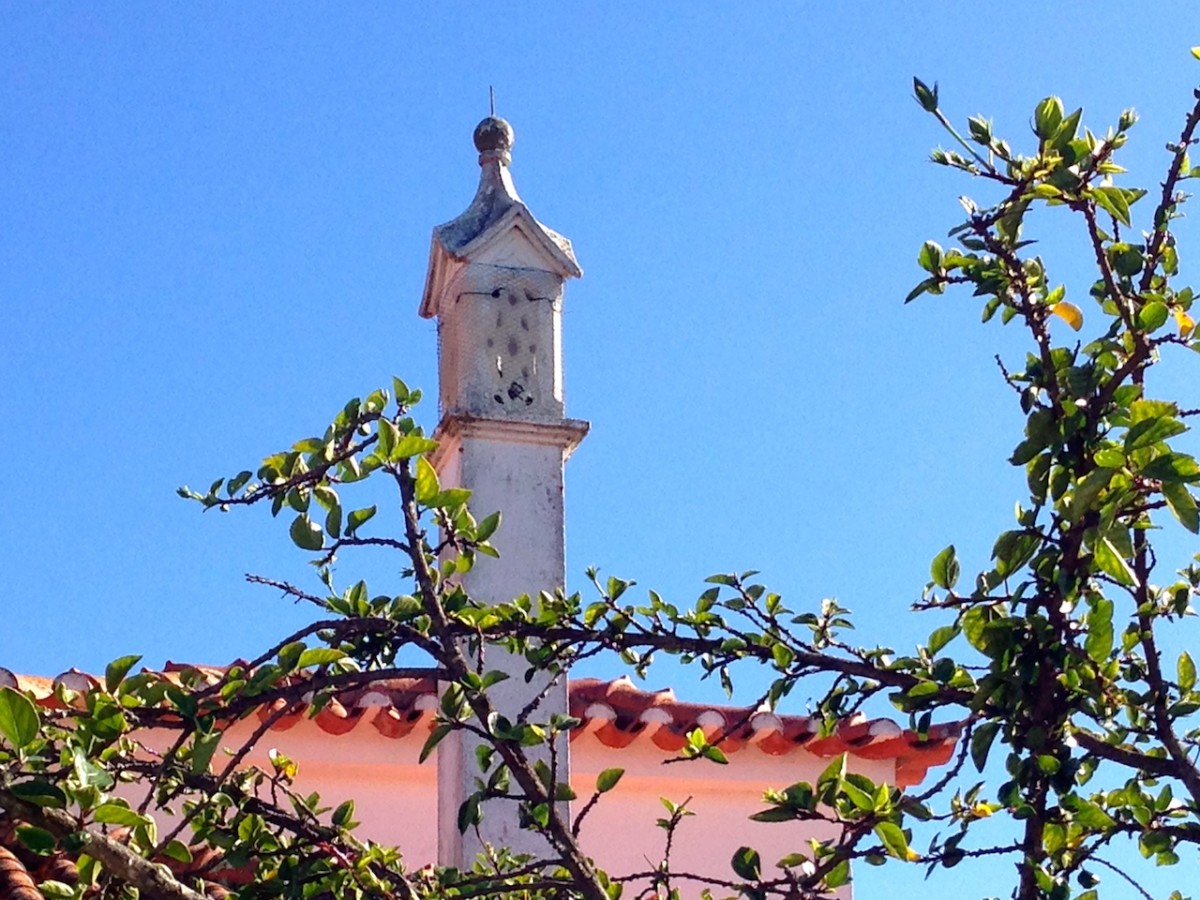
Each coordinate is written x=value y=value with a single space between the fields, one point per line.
x=88 y=772
x=926 y=96
x=1091 y=816
x=1113 y=201
x=307 y=534
x=333 y=521
x=319 y=656
x=238 y=481
x=981 y=627
x=1182 y=505
x=41 y=793
x=1151 y=431
x=929 y=285
x=944 y=569
x=1111 y=563
x=469 y=813
x=487 y=527
x=1186 y=672
x=783 y=655
x=450 y=499
x=838 y=875
x=1048 y=764
x=1172 y=467
x=116 y=670
x=1153 y=316
x=859 y=797
x=941 y=637
x=178 y=851
x=981 y=743
x=1126 y=259
x=1099 y=620
x=343 y=814
x=715 y=754
x=19 y=721
x=1047 y=117
x=289 y=655
x=427 y=486
x=607 y=780
x=893 y=839
x=412 y=445
x=117 y=813
x=435 y=738
x=775 y=814
x=203 y=748
x=834 y=772
x=37 y=840
x=389 y=434
x=1067 y=130
x=358 y=518
x=747 y=864
x=400 y=391
x=930 y=257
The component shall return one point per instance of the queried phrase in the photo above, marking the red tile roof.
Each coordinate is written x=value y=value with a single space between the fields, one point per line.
x=616 y=713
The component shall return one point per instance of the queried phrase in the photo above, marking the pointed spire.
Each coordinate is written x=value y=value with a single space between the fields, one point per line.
x=496 y=194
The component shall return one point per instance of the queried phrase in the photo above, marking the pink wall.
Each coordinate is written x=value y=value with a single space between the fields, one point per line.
x=396 y=798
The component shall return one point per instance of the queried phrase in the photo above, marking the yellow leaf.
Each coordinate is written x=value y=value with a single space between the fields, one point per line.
x=1196 y=52
x=1186 y=323
x=1069 y=313
x=911 y=855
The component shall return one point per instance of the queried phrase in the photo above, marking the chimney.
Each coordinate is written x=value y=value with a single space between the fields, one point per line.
x=495 y=284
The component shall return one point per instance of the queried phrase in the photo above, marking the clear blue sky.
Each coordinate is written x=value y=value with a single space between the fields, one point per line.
x=214 y=225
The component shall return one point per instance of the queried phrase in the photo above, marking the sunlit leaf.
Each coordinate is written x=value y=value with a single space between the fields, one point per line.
x=1099 y=620
x=427 y=486
x=19 y=720
x=1186 y=671
x=319 y=656
x=1112 y=563
x=1182 y=505
x=117 y=813
x=893 y=839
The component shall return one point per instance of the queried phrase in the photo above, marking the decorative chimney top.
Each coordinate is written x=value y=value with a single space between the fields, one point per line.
x=485 y=231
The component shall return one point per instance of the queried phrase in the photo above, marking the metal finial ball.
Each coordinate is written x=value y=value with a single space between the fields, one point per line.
x=493 y=133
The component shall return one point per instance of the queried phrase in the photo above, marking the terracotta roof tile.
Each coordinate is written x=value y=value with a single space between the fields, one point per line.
x=616 y=713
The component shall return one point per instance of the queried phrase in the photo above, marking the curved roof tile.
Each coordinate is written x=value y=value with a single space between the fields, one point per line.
x=616 y=713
